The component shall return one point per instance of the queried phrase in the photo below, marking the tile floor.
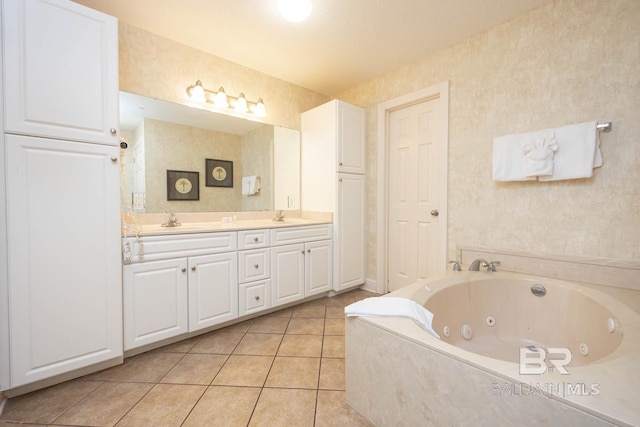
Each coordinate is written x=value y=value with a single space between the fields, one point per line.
x=281 y=369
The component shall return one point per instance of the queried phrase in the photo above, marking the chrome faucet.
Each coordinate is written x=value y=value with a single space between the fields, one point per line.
x=279 y=216
x=173 y=221
x=481 y=262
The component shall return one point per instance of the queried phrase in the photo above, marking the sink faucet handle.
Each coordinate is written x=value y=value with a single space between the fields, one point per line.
x=456 y=264
x=492 y=265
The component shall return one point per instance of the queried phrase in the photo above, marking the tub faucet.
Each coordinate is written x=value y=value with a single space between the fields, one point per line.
x=279 y=216
x=481 y=262
x=173 y=221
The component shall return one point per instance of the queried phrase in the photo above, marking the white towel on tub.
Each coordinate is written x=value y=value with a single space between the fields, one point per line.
x=392 y=307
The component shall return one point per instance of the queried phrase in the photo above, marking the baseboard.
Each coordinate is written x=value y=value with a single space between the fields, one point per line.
x=370 y=285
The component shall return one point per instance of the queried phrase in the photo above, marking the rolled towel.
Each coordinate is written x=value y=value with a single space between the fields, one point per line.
x=393 y=307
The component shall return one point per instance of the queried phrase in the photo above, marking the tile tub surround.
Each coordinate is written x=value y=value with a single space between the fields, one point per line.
x=285 y=368
x=486 y=388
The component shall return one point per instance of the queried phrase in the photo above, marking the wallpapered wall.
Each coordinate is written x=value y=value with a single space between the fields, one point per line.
x=153 y=66
x=568 y=62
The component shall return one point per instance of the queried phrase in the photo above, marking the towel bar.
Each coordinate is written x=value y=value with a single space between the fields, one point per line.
x=605 y=127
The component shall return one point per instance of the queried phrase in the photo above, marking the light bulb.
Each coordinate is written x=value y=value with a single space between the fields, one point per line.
x=295 y=10
x=196 y=92
x=241 y=104
x=221 y=99
x=260 y=110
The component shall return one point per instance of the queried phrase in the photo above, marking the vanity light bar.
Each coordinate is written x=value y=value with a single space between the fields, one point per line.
x=220 y=99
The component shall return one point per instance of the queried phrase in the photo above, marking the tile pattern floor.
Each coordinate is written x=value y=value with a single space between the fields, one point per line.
x=282 y=369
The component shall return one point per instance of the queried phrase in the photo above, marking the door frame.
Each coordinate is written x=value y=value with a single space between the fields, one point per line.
x=440 y=90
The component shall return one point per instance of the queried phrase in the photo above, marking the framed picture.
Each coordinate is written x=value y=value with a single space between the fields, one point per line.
x=219 y=173
x=183 y=185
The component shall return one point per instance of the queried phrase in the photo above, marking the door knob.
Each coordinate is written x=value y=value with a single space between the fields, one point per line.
x=435 y=212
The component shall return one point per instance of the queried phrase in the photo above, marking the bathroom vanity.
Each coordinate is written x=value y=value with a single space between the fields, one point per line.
x=191 y=278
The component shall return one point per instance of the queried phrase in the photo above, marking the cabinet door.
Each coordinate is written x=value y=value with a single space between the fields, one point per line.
x=155 y=301
x=65 y=282
x=317 y=267
x=350 y=231
x=287 y=274
x=213 y=290
x=350 y=148
x=61 y=71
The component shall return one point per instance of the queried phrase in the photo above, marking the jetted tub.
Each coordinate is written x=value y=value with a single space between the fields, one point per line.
x=580 y=351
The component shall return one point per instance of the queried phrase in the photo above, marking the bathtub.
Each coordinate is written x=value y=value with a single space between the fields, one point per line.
x=505 y=355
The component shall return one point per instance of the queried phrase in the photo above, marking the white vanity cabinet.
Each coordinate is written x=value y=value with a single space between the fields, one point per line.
x=155 y=301
x=254 y=271
x=173 y=293
x=333 y=180
x=61 y=302
x=301 y=263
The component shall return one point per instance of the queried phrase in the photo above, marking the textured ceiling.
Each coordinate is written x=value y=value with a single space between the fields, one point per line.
x=344 y=42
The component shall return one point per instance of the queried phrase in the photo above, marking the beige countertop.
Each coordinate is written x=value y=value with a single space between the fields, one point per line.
x=151 y=224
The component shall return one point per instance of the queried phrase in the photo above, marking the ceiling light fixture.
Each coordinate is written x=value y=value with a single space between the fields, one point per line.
x=220 y=99
x=295 y=10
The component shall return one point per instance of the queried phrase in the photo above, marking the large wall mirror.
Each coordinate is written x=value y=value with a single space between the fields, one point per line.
x=184 y=159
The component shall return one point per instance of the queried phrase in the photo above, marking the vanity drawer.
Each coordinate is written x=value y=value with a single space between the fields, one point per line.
x=254 y=297
x=250 y=239
x=288 y=235
x=182 y=245
x=254 y=265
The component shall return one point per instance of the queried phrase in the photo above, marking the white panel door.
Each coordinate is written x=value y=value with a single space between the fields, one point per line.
x=350 y=231
x=351 y=157
x=213 y=290
x=61 y=71
x=65 y=283
x=155 y=301
x=414 y=225
x=287 y=274
x=317 y=267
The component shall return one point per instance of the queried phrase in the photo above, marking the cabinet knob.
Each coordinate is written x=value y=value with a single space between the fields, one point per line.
x=308 y=251
x=257 y=298
x=435 y=212
x=193 y=268
x=255 y=239
x=184 y=270
x=340 y=163
x=340 y=180
x=256 y=266
x=113 y=131
x=302 y=252
x=114 y=159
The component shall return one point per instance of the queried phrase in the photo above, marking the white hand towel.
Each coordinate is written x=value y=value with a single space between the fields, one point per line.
x=391 y=307
x=509 y=161
x=539 y=152
x=250 y=185
x=578 y=152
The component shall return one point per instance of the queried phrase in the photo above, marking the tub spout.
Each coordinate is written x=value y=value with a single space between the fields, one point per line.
x=477 y=263
x=481 y=262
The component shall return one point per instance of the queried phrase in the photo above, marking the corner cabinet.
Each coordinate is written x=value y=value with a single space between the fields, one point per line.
x=333 y=180
x=61 y=302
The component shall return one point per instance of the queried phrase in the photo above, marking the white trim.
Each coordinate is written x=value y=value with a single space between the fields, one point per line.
x=440 y=90
x=370 y=285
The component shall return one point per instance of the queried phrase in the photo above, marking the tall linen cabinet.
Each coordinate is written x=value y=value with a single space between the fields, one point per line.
x=61 y=283
x=333 y=180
